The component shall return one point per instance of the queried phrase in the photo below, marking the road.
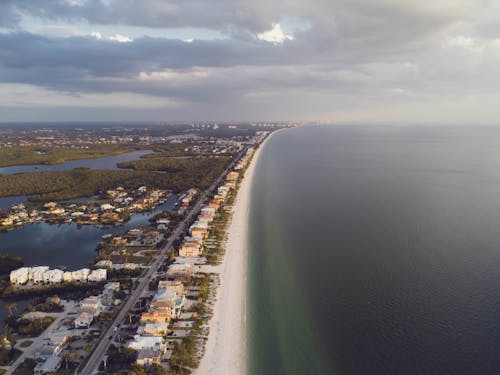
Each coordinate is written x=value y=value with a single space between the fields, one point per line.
x=92 y=365
x=38 y=341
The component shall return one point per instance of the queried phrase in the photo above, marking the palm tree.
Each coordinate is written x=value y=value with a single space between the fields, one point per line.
x=10 y=306
x=67 y=358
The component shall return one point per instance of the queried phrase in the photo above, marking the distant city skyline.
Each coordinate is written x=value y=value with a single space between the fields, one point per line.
x=343 y=61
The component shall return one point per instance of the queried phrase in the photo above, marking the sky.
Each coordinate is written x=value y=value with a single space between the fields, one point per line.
x=339 y=61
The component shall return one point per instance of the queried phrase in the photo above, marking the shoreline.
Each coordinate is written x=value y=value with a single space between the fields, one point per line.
x=225 y=350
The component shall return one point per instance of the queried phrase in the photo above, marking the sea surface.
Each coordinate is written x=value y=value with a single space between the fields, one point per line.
x=376 y=250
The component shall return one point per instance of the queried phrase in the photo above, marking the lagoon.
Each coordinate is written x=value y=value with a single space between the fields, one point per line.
x=109 y=162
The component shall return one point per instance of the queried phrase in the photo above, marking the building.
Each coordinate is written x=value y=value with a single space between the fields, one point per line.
x=54 y=346
x=176 y=286
x=157 y=316
x=148 y=343
x=108 y=293
x=112 y=287
x=163 y=298
x=36 y=274
x=104 y=264
x=51 y=365
x=83 y=320
x=20 y=276
x=148 y=357
x=232 y=176
x=97 y=275
x=151 y=238
x=199 y=232
x=208 y=210
x=154 y=329
x=177 y=270
x=53 y=276
x=79 y=275
x=190 y=249
x=92 y=305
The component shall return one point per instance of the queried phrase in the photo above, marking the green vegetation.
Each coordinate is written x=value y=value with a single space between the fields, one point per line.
x=158 y=162
x=26 y=368
x=72 y=290
x=18 y=155
x=26 y=327
x=184 y=354
x=9 y=263
x=44 y=305
x=8 y=356
x=152 y=370
x=119 y=359
x=81 y=182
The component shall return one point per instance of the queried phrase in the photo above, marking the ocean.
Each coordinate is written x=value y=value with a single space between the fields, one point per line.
x=375 y=250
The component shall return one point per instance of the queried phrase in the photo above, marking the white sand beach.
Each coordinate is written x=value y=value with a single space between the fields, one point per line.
x=226 y=345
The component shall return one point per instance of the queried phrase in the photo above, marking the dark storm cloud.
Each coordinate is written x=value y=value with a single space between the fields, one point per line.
x=329 y=51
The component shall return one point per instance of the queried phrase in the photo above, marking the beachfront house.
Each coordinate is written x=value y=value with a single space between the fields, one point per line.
x=148 y=357
x=148 y=343
x=179 y=271
x=157 y=316
x=190 y=249
x=176 y=286
x=153 y=329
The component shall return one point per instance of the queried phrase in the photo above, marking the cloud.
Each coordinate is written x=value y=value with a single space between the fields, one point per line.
x=120 y=38
x=460 y=42
x=294 y=58
x=274 y=35
x=96 y=35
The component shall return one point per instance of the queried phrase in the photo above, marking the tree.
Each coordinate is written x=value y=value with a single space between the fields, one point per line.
x=11 y=306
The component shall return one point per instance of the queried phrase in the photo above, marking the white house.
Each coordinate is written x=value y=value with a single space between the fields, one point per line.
x=53 y=276
x=83 y=320
x=49 y=366
x=208 y=210
x=36 y=274
x=107 y=207
x=92 y=305
x=79 y=275
x=112 y=287
x=97 y=275
x=20 y=276
x=147 y=343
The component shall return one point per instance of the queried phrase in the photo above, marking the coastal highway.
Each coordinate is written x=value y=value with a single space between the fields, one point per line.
x=92 y=365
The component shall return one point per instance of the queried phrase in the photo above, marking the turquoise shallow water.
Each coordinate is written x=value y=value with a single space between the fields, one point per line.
x=376 y=250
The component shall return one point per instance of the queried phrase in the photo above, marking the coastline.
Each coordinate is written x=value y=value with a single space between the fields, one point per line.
x=225 y=350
